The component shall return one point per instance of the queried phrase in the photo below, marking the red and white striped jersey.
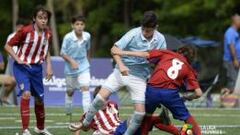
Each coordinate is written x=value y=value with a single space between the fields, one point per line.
x=33 y=48
x=106 y=120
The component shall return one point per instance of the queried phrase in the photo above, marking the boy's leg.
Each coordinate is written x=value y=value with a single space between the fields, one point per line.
x=23 y=82
x=25 y=109
x=137 y=88
x=112 y=84
x=40 y=113
x=97 y=104
x=196 y=127
x=84 y=81
x=71 y=84
x=175 y=104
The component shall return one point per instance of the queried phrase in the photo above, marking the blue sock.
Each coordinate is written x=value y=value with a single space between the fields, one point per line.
x=96 y=105
x=135 y=123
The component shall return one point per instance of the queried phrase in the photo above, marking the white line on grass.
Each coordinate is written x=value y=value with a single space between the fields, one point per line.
x=62 y=127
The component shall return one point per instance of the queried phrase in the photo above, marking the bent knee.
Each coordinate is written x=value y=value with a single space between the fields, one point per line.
x=26 y=95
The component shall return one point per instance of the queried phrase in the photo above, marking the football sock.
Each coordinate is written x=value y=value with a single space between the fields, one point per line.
x=96 y=105
x=167 y=128
x=86 y=99
x=196 y=128
x=40 y=115
x=25 y=113
x=135 y=123
x=68 y=104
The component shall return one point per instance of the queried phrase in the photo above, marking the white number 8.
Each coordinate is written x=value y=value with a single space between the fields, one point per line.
x=173 y=71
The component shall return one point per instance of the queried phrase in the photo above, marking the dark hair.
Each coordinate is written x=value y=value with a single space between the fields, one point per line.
x=188 y=52
x=97 y=89
x=41 y=8
x=149 y=19
x=78 y=18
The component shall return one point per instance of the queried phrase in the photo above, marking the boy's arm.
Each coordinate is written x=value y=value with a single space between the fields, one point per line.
x=10 y=51
x=116 y=51
x=123 y=69
x=49 y=67
x=197 y=94
x=234 y=55
x=70 y=60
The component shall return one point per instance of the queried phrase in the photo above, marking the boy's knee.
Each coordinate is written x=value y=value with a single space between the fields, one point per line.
x=26 y=95
x=38 y=101
x=70 y=93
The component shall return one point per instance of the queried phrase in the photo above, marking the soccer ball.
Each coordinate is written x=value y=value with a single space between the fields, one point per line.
x=187 y=129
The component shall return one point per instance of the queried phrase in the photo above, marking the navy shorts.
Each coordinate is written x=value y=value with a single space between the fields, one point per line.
x=122 y=128
x=29 y=79
x=169 y=98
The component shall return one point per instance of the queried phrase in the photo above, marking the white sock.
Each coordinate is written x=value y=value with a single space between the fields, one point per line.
x=68 y=103
x=86 y=100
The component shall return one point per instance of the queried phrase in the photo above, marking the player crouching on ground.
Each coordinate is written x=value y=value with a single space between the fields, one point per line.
x=172 y=71
x=107 y=122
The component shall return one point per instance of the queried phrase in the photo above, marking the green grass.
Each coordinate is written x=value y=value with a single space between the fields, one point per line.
x=57 y=120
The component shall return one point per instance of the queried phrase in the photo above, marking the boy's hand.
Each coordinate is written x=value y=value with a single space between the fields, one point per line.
x=49 y=73
x=124 y=70
x=74 y=65
x=235 y=63
x=116 y=51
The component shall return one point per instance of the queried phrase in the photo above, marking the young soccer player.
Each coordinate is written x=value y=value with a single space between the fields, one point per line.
x=75 y=52
x=107 y=122
x=131 y=72
x=172 y=71
x=33 y=44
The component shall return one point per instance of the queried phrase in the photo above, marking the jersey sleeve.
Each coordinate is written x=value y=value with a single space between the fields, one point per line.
x=64 y=46
x=155 y=56
x=88 y=43
x=191 y=81
x=230 y=38
x=17 y=39
x=125 y=40
x=163 y=44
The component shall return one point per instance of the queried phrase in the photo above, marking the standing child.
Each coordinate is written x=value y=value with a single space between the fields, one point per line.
x=33 y=44
x=75 y=52
x=131 y=72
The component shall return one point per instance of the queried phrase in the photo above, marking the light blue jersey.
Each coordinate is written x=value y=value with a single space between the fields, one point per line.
x=134 y=40
x=231 y=37
x=76 y=49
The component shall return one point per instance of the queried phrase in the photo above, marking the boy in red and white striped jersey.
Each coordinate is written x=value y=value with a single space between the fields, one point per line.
x=33 y=44
x=107 y=122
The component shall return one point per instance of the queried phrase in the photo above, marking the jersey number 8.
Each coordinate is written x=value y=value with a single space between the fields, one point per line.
x=173 y=71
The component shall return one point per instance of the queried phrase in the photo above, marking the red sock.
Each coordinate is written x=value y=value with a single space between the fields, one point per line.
x=196 y=128
x=40 y=115
x=147 y=125
x=25 y=113
x=167 y=128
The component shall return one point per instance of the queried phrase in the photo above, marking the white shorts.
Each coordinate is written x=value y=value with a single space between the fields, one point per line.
x=82 y=80
x=135 y=85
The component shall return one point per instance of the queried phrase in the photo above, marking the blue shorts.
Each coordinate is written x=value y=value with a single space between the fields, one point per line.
x=122 y=128
x=29 y=79
x=169 y=98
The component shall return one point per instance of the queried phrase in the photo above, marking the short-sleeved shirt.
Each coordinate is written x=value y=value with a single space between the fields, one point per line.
x=231 y=37
x=77 y=50
x=32 y=47
x=134 y=40
x=10 y=36
x=172 y=71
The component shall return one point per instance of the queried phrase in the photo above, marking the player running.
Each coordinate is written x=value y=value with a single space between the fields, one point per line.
x=107 y=122
x=172 y=71
x=33 y=45
x=131 y=72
